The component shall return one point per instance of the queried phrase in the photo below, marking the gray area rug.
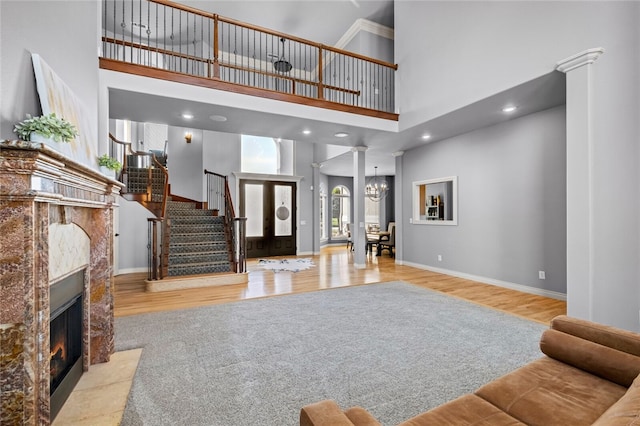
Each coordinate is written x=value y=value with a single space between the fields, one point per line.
x=394 y=348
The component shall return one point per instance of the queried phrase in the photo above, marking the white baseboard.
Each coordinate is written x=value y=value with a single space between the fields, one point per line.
x=130 y=271
x=513 y=286
x=305 y=253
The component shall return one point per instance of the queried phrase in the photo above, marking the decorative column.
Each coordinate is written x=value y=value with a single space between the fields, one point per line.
x=399 y=214
x=580 y=177
x=315 y=189
x=358 y=231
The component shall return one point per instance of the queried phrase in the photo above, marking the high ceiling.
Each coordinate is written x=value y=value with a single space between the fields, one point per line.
x=322 y=21
x=326 y=22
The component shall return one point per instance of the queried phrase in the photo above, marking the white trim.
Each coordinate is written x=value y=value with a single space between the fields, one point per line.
x=260 y=176
x=492 y=281
x=305 y=253
x=360 y=265
x=586 y=57
x=130 y=271
x=362 y=24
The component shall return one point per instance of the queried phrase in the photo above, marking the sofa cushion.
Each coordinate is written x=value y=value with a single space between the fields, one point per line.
x=611 y=364
x=548 y=392
x=626 y=411
x=466 y=410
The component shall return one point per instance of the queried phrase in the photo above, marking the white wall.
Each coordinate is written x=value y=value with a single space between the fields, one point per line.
x=511 y=202
x=43 y=27
x=451 y=54
x=185 y=163
x=221 y=154
x=132 y=237
x=303 y=160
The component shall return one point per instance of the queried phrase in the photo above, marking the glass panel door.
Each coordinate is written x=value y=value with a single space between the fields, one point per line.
x=283 y=207
x=254 y=209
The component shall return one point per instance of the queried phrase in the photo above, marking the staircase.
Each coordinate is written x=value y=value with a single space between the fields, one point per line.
x=197 y=241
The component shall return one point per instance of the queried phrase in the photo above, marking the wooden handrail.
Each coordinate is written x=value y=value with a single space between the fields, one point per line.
x=113 y=138
x=165 y=189
x=361 y=57
x=183 y=7
x=227 y=196
x=207 y=172
x=272 y=32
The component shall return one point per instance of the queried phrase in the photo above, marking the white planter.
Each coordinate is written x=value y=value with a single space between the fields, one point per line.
x=108 y=172
x=37 y=137
x=63 y=148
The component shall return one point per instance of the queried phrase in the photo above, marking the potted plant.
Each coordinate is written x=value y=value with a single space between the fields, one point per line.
x=109 y=163
x=47 y=126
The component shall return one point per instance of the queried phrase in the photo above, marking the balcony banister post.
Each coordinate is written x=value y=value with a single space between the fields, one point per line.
x=216 y=40
x=320 y=66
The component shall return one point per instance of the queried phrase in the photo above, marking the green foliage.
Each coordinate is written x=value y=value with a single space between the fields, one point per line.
x=48 y=126
x=109 y=163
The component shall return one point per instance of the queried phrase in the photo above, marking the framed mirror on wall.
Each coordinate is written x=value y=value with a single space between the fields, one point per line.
x=435 y=201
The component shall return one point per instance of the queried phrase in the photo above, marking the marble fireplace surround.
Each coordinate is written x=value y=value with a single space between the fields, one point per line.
x=49 y=204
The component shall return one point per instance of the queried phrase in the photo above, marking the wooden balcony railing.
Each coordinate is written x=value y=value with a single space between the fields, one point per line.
x=162 y=39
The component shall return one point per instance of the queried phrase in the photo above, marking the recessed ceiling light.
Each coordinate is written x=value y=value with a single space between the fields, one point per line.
x=426 y=136
x=306 y=132
x=509 y=108
x=341 y=135
x=187 y=116
x=218 y=118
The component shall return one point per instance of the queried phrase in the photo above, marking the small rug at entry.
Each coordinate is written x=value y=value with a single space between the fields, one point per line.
x=290 y=265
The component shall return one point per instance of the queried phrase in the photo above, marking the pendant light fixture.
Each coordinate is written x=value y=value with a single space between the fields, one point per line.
x=377 y=187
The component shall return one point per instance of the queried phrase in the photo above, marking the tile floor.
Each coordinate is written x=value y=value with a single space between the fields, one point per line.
x=101 y=394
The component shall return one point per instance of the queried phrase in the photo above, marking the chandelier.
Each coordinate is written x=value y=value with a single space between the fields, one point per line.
x=377 y=187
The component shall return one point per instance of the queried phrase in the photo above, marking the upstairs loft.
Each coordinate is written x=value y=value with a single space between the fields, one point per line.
x=165 y=40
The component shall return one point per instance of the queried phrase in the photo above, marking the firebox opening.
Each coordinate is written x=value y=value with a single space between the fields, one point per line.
x=66 y=323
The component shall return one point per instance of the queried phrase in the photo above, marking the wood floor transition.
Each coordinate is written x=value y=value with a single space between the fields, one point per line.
x=334 y=268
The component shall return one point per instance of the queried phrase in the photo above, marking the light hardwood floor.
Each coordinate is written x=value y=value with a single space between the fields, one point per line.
x=334 y=268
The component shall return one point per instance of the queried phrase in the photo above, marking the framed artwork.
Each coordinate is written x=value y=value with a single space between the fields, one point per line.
x=55 y=96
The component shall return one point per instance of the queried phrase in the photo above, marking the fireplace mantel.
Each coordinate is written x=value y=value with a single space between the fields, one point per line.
x=40 y=187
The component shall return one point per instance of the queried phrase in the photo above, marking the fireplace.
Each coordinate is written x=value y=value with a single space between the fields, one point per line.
x=65 y=338
x=56 y=225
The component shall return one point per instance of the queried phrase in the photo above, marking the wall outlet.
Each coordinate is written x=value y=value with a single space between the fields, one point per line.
x=439 y=258
x=541 y=275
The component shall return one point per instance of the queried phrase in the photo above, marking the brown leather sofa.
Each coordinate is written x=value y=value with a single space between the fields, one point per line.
x=588 y=376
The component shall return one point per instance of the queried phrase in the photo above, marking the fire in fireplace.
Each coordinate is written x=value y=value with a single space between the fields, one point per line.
x=65 y=338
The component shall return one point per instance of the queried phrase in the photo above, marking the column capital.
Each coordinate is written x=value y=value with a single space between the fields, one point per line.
x=316 y=165
x=358 y=148
x=586 y=57
x=398 y=154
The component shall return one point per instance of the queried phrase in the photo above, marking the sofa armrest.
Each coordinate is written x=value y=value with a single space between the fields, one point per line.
x=323 y=413
x=616 y=338
x=328 y=413
x=361 y=417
